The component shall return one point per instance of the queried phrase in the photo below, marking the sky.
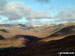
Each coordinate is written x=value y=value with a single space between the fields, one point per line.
x=36 y=11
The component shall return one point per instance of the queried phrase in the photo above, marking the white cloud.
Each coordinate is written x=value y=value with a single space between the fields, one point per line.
x=17 y=10
x=66 y=15
x=3 y=3
x=45 y=1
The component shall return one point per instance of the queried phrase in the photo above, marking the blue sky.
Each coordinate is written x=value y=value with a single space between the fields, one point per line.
x=54 y=7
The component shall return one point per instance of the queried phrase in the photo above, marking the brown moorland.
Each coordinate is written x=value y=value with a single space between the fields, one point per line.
x=50 y=48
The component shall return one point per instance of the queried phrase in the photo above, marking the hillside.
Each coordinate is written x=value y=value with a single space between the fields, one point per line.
x=70 y=30
x=54 y=39
x=40 y=32
x=13 y=43
x=50 y=48
x=52 y=33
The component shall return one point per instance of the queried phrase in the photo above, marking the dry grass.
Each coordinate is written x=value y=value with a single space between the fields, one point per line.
x=40 y=34
x=13 y=31
x=13 y=43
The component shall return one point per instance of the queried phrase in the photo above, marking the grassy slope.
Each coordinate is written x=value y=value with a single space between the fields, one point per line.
x=48 y=48
x=7 y=43
x=41 y=34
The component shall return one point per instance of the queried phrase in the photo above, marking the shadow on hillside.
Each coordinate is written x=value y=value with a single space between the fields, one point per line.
x=30 y=38
x=49 y=48
x=7 y=51
x=64 y=31
x=4 y=30
x=1 y=37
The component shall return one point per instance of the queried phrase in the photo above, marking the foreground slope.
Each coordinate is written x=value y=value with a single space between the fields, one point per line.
x=50 y=48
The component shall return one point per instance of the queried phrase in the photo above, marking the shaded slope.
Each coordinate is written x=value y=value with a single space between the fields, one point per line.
x=56 y=29
x=4 y=30
x=49 y=48
x=1 y=37
x=70 y=30
x=30 y=38
x=42 y=32
x=65 y=31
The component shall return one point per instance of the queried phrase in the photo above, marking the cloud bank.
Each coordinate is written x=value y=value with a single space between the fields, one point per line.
x=66 y=15
x=3 y=3
x=43 y=1
x=16 y=10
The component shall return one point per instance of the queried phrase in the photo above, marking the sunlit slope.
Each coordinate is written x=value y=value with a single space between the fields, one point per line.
x=17 y=43
x=17 y=31
x=53 y=30
x=12 y=31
